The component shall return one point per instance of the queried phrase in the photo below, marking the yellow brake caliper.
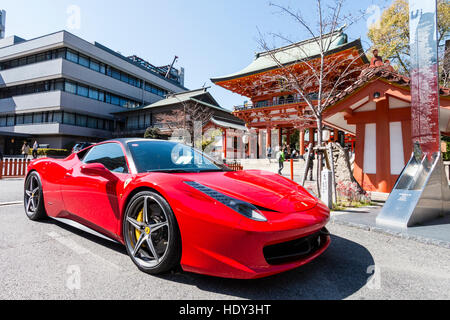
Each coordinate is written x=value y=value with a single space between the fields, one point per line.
x=140 y=218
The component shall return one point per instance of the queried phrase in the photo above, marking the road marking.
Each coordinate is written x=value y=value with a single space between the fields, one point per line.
x=80 y=250
x=14 y=203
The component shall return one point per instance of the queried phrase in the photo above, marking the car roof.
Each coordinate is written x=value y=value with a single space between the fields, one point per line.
x=125 y=141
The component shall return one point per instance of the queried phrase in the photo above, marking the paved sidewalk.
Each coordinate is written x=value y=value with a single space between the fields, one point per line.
x=11 y=190
x=435 y=232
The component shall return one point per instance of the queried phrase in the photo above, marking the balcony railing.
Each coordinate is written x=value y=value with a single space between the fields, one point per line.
x=268 y=104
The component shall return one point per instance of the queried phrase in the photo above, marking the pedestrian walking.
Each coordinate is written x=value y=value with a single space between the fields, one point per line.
x=35 y=149
x=311 y=165
x=281 y=159
x=25 y=150
x=269 y=153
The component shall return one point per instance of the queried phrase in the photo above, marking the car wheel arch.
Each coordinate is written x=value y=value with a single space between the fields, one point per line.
x=130 y=197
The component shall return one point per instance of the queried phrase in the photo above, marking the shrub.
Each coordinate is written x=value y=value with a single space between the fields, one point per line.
x=52 y=152
x=446 y=155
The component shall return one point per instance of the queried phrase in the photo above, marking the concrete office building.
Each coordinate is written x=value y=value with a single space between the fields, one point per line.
x=59 y=89
x=2 y=23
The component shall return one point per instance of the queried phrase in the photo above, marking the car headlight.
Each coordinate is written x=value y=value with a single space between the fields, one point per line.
x=244 y=208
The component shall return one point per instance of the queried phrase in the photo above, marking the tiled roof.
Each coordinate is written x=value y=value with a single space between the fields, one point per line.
x=370 y=74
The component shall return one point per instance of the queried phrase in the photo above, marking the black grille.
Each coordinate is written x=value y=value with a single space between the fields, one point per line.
x=297 y=249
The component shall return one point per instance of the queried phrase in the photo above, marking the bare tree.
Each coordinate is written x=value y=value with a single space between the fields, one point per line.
x=445 y=66
x=322 y=77
x=190 y=114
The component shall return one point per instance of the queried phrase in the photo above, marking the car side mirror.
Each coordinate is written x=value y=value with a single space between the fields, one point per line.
x=95 y=169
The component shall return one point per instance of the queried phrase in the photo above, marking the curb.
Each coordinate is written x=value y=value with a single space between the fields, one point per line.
x=397 y=234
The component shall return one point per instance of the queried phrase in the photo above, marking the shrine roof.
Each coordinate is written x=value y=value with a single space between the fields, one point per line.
x=294 y=53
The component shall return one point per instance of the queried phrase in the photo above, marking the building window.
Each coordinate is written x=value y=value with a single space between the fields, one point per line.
x=115 y=100
x=72 y=56
x=10 y=121
x=82 y=91
x=19 y=119
x=28 y=119
x=83 y=60
x=92 y=123
x=115 y=74
x=69 y=118
x=70 y=87
x=93 y=93
x=57 y=117
x=95 y=65
x=81 y=121
x=37 y=118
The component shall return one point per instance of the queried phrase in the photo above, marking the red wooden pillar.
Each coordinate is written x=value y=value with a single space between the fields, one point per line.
x=1 y=170
x=311 y=136
x=359 y=155
x=383 y=176
x=336 y=135
x=302 y=142
x=280 y=137
x=225 y=144
x=269 y=138
x=292 y=169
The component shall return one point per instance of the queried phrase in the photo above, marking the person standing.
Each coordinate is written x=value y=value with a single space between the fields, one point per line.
x=269 y=153
x=25 y=150
x=35 y=149
x=311 y=164
x=281 y=159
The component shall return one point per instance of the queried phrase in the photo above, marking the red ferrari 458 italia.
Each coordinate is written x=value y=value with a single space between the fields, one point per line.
x=169 y=204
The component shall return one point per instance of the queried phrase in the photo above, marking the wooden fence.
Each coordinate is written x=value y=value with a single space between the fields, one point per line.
x=13 y=168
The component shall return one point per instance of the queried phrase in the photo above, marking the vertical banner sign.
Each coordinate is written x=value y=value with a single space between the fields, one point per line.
x=424 y=75
x=421 y=193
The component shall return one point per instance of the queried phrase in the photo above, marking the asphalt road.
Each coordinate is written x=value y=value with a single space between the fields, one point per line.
x=48 y=260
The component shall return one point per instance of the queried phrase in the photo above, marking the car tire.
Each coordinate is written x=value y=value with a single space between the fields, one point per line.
x=34 y=198
x=150 y=234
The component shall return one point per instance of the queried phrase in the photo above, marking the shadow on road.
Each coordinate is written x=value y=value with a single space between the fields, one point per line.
x=119 y=248
x=340 y=272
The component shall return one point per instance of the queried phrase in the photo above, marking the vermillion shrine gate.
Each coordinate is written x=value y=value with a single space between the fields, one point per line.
x=274 y=110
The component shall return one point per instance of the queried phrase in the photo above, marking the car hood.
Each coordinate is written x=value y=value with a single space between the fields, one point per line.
x=263 y=189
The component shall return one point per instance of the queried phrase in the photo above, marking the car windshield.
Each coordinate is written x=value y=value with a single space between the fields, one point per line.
x=164 y=156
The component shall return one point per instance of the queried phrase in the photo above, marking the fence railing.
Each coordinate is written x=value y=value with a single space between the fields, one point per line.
x=235 y=166
x=13 y=168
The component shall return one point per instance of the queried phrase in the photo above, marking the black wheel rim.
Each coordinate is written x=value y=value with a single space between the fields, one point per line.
x=32 y=195
x=147 y=231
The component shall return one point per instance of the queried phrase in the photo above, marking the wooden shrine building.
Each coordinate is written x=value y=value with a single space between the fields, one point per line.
x=274 y=111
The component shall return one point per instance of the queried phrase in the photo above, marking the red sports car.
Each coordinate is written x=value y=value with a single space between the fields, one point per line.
x=169 y=204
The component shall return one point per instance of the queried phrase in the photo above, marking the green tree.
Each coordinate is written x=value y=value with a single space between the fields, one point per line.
x=390 y=35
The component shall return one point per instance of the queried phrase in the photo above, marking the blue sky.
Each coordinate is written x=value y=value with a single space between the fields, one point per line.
x=212 y=38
